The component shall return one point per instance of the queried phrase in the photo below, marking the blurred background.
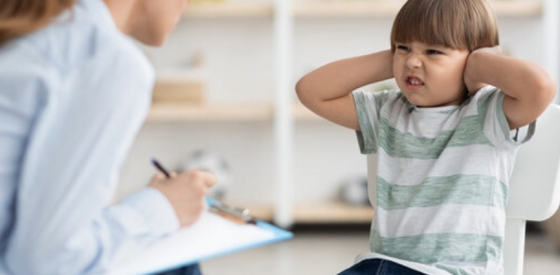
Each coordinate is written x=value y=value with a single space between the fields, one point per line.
x=224 y=101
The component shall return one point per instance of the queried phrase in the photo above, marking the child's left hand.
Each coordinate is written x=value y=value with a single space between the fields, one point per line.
x=472 y=85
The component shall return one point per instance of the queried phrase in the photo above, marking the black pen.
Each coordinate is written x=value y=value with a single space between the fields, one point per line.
x=160 y=168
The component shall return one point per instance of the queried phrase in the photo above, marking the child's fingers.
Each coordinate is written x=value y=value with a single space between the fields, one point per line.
x=493 y=50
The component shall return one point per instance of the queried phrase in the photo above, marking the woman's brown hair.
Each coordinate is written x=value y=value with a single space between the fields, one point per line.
x=19 y=17
x=458 y=24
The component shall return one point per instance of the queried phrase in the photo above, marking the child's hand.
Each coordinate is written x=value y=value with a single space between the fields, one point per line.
x=472 y=84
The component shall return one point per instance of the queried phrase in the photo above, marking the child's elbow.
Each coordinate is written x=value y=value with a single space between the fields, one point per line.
x=547 y=88
x=303 y=90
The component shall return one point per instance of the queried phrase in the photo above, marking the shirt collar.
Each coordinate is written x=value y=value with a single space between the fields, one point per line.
x=98 y=10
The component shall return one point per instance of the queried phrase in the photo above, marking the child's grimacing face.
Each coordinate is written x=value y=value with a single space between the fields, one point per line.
x=430 y=75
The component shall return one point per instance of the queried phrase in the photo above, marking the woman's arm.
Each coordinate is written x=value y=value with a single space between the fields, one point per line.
x=528 y=87
x=68 y=138
x=327 y=90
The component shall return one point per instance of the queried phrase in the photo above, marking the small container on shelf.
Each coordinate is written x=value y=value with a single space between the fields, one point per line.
x=181 y=86
x=178 y=88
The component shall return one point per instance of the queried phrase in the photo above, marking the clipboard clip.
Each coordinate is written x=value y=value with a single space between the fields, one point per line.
x=235 y=214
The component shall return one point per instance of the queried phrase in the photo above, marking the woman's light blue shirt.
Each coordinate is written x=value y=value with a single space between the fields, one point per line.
x=72 y=98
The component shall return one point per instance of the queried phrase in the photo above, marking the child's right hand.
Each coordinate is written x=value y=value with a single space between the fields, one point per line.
x=186 y=192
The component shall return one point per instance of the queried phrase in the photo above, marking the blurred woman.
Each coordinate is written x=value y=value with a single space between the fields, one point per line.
x=74 y=91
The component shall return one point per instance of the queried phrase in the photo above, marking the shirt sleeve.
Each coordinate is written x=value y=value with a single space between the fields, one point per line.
x=77 y=136
x=368 y=108
x=490 y=102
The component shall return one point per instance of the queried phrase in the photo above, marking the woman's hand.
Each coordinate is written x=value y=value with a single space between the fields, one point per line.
x=470 y=74
x=186 y=192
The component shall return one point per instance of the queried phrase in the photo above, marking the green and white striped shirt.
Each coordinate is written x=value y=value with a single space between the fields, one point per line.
x=442 y=181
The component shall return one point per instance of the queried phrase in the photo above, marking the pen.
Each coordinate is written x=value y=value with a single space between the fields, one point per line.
x=160 y=168
x=234 y=214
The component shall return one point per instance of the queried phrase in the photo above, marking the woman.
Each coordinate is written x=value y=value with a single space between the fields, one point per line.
x=74 y=91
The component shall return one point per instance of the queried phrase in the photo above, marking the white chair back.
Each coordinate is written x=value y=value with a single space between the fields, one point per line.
x=534 y=192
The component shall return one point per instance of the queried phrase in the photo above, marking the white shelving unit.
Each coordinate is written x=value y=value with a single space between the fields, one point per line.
x=357 y=9
x=282 y=112
x=220 y=10
x=209 y=113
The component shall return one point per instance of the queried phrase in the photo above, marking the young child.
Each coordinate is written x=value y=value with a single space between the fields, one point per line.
x=446 y=140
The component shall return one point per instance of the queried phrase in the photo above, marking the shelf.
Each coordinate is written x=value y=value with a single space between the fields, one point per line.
x=518 y=8
x=357 y=9
x=335 y=212
x=229 y=10
x=329 y=212
x=371 y=9
x=301 y=113
x=200 y=113
x=335 y=9
x=261 y=212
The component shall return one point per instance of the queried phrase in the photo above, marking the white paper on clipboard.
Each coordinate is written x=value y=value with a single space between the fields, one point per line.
x=211 y=236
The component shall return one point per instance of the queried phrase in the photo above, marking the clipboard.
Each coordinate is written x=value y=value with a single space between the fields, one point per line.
x=213 y=235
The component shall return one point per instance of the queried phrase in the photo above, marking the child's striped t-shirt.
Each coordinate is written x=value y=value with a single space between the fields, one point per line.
x=442 y=181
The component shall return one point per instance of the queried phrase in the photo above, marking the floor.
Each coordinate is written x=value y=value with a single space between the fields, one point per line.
x=324 y=253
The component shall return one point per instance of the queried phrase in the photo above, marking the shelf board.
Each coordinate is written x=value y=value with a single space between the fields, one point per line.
x=518 y=8
x=326 y=212
x=199 y=113
x=248 y=112
x=229 y=10
x=333 y=9
x=261 y=212
x=332 y=212
x=326 y=9
x=301 y=113
x=380 y=9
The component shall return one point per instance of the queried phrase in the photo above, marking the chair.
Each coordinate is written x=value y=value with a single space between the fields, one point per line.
x=534 y=193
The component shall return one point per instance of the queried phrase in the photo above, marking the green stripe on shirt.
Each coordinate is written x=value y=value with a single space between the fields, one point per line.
x=433 y=191
x=442 y=247
x=406 y=145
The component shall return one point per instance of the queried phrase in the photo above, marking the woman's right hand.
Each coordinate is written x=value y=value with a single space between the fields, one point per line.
x=186 y=192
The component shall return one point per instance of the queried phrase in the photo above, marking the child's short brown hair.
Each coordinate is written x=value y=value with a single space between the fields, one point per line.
x=458 y=24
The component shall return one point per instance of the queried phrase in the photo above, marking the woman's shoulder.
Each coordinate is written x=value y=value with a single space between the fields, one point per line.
x=78 y=36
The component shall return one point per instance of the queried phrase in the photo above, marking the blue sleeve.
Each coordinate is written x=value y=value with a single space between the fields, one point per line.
x=69 y=137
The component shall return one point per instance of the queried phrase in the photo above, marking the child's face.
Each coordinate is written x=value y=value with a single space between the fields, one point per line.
x=428 y=75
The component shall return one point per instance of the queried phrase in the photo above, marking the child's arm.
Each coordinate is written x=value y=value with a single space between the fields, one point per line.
x=528 y=87
x=327 y=90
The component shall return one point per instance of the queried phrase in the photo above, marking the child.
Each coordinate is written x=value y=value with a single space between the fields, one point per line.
x=445 y=141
